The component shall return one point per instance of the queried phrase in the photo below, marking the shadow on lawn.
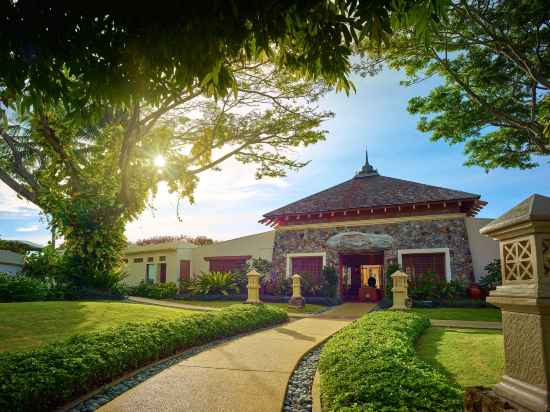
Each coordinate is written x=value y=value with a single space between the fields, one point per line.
x=433 y=341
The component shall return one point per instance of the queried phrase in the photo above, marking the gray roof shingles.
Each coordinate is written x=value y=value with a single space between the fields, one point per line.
x=371 y=191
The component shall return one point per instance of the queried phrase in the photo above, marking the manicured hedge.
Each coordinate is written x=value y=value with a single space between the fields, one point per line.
x=45 y=378
x=372 y=365
x=154 y=290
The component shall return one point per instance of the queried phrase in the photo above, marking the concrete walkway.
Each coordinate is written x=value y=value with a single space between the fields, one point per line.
x=246 y=374
x=467 y=324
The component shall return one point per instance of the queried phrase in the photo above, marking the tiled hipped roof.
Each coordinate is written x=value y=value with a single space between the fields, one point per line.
x=372 y=191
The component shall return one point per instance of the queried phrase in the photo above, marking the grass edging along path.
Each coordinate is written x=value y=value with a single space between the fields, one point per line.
x=372 y=365
x=56 y=374
x=29 y=325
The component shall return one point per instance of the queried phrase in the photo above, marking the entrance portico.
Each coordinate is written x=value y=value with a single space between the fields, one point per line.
x=360 y=257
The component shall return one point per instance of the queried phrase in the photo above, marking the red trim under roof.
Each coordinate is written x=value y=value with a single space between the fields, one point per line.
x=244 y=257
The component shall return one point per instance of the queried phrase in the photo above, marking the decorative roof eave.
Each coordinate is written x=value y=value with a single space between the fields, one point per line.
x=282 y=219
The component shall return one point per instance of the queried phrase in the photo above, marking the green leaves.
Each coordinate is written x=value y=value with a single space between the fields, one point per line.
x=46 y=378
x=494 y=65
x=372 y=365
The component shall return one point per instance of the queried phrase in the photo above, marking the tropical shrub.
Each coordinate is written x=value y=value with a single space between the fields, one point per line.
x=21 y=288
x=371 y=365
x=493 y=277
x=329 y=285
x=46 y=378
x=277 y=286
x=48 y=263
x=427 y=286
x=455 y=289
x=215 y=283
x=155 y=290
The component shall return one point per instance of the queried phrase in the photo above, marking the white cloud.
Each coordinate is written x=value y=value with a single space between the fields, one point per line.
x=226 y=206
x=31 y=228
x=13 y=207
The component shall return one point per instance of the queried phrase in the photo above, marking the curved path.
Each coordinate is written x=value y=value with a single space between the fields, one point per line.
x=248 y=374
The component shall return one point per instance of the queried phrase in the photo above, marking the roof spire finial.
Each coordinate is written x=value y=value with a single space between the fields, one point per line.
x=367 y=169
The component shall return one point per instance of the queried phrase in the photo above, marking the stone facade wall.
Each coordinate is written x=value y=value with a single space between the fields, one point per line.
x=421 y=234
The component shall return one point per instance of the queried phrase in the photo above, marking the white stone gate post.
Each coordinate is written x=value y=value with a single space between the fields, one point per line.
x=524 y=297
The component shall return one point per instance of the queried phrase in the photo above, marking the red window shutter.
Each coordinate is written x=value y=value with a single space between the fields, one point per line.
x=420 y=263
x=185 y=269
x=226 y=263
x=310 y=265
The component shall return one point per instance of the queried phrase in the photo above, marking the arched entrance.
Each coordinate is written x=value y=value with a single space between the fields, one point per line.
x=361 y=257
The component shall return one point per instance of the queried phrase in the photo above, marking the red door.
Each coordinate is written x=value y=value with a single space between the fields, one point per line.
x=185 y=269
x=162 y=273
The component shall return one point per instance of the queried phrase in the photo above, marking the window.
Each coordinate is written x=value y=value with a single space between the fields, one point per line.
x=226 y=263
x=162 y=258
x=138 y=260
x=151 y=273
x=420 y=263
x=308 y=266
x=150 y=259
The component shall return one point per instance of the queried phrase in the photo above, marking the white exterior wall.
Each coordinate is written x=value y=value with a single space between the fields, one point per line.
x=258 y=245
x=484 y=249
x=173 y=253
x=11 y=262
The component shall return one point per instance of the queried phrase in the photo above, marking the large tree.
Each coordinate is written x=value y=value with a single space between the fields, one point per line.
x=92 y=174
x=493 y=57
x=153 y=49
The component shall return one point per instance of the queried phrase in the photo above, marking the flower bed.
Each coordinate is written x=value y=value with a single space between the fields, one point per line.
x=45 y=378
x=372 y=365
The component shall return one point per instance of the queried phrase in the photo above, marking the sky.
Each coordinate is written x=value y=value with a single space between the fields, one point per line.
x=229 y=203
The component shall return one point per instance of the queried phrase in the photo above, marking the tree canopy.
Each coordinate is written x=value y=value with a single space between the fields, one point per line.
x=156 y=49
x=93 y=176
x=494 y=60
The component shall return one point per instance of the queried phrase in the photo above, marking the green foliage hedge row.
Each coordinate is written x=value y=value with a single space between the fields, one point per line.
x=21 y=288
x=154 y=290
x=371 y=365
x=51 y=376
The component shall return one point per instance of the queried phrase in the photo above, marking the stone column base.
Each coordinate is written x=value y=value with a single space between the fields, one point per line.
x=534 y=398
x=296 y=302
x=480 y=399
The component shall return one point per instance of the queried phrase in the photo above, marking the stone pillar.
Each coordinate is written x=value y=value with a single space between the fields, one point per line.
x=524 y=298
x=296 y=301
x=253 y=287
x=400 y=286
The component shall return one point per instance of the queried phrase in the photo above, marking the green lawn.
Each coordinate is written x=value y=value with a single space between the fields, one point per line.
x=27 y=325
x=309 y=308
x=482 y=314
x=468 y=357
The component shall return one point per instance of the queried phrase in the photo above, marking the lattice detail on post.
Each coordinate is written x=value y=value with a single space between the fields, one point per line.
x=546 y=256
x=518 y=261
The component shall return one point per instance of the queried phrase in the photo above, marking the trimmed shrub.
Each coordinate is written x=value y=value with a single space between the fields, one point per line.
x=371 y=365
x=21 y=288
x=154 y=290
x=58 y=373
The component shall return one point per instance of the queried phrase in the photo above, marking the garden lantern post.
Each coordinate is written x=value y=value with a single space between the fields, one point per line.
x=399 y=289
x=296 y=301
x=524 y=298
x=253 y=287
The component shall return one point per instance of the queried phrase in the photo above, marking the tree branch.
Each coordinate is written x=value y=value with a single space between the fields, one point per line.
x=55 y=144
x=17 y=187
x=17 y=161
